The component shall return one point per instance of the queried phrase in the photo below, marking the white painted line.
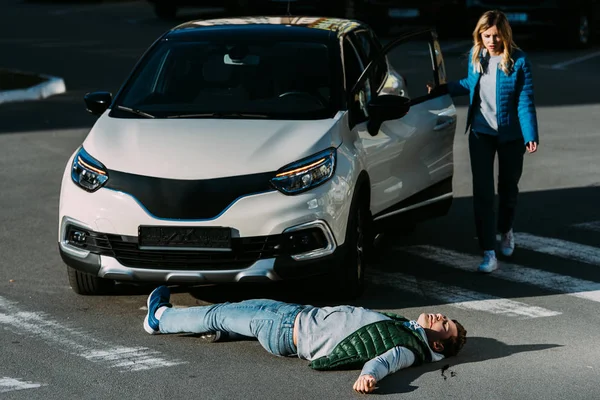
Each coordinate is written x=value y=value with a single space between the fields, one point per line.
x=459 y=297
x=589 y=226
x=53 y=85
x=78 y=343
x=512 y=272
x=576 y=60
x=10 y=385
x=558 y=247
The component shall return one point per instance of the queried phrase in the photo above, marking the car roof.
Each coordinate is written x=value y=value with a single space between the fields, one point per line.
x=315 y=28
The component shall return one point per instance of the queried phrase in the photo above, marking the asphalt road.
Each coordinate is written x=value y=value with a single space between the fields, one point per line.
x=533 y=325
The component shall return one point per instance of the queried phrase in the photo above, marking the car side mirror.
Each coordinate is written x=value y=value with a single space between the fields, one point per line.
x=385 y=108
x=97 y=102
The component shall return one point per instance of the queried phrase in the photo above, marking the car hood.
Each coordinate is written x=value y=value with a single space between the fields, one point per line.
x=206 y=148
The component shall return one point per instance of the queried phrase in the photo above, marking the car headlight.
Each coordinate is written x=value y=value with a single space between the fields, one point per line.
x=87 y=172
x=306 y=174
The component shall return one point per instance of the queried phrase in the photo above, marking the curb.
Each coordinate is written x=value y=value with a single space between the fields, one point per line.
x=53 y=85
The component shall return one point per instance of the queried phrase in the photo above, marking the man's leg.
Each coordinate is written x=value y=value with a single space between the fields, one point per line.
x=482 y=150
x=271 y=322
x=510 y=168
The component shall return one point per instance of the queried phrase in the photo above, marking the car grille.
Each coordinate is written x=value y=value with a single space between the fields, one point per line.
x=245 y=251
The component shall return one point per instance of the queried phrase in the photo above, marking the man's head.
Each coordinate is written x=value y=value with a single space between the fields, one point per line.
x=445 y=336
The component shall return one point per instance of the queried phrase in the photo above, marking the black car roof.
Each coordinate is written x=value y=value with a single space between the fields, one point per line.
x=315 y=28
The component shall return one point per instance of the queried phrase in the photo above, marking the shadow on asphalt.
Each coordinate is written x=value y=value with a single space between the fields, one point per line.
x=477 y=349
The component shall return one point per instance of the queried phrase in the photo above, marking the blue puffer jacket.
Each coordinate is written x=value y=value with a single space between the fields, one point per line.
x=515 y=106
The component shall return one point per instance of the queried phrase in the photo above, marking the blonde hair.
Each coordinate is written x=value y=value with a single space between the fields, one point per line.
x=486 y=21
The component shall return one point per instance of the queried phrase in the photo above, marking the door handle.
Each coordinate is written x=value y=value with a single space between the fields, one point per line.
x=444 y=122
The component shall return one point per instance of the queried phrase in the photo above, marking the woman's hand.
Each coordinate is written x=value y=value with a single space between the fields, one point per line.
x=365 y=384
x=430 y=86
x=531 y=147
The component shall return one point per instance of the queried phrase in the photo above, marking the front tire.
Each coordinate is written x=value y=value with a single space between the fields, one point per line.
x=86 y=284
x=349 y=278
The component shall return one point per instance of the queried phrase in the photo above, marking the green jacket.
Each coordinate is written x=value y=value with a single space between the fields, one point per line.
x=371 y=341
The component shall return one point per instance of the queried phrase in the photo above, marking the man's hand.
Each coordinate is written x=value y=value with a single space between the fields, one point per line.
x=365 y=384
x=531 y=147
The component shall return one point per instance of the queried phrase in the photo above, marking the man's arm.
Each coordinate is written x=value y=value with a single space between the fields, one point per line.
x=379 y=367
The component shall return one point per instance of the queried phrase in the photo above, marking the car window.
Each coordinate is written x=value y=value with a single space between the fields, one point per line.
x=284 y=79
x=369 y=49
x=439 y=60
x=353 y=67
x=412 y=60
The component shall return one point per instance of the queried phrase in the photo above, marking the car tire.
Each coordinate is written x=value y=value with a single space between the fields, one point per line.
x=86 y=284
x=165 y=10
x=349 y=278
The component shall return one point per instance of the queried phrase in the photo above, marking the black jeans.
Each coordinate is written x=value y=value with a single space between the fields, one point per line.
x=483 y=149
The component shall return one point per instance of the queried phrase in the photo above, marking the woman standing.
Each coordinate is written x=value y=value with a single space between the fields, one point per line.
x=502 y=120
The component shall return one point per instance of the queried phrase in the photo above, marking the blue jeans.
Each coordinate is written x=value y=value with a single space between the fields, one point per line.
x=270 y=321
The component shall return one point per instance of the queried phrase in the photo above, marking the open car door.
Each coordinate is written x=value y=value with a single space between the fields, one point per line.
x=406 y=133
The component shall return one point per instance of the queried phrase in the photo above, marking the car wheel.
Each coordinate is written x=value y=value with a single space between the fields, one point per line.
x=165 y=10
x=349 y=279
x=86 y=284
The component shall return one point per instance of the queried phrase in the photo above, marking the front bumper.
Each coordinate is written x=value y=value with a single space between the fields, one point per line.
x=260 y=225
x=254 y=259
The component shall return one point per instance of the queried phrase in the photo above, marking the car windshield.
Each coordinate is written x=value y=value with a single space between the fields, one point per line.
x=232 y=78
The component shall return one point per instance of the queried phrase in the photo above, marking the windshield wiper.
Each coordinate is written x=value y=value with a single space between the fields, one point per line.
x=136 y=112
x=219 y=115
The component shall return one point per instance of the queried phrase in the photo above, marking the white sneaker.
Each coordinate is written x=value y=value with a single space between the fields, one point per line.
x=489 y=263
x=507 y=243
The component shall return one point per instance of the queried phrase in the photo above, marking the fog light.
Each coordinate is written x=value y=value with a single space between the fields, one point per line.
x=77 y=237
x=304 y=241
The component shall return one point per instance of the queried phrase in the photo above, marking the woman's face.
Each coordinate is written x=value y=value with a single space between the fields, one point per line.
x=492 y=41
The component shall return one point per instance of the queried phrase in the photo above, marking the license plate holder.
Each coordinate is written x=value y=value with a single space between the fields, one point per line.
x=184 y=238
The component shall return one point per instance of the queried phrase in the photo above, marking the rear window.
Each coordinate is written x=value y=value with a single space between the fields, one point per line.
x=265 y=78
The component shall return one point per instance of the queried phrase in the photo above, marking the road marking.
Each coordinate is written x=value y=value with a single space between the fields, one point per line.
x=459 y=297
x=511 y=272
x=562 y=65
x=590 y=226
x=558 y=247
x=76 y=342
x=10 y=385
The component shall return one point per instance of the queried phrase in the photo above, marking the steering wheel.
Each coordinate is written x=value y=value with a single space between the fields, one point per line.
x=315 y=96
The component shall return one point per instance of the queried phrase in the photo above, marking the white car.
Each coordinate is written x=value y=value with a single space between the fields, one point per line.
x=256 y=149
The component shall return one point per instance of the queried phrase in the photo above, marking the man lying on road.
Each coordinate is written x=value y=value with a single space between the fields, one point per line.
x=330 y=337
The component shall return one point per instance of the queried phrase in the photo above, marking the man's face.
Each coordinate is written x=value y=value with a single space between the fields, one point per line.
x=438 y=327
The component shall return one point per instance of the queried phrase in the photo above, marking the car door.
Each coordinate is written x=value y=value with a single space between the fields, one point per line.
x=409 y=160
x=377 y=150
